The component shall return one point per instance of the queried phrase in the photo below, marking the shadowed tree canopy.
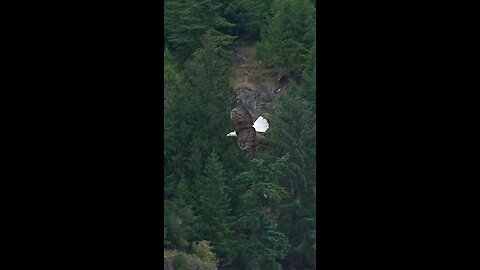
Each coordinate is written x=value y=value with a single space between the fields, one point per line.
x=248 y=16
x=288 y=37
x=186 y=21
x=212 y=205
x=295 y=133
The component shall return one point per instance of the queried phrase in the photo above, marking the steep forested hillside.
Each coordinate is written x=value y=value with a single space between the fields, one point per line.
x=224 y=208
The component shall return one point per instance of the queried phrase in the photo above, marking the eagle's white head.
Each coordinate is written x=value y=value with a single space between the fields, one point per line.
x=232 y=134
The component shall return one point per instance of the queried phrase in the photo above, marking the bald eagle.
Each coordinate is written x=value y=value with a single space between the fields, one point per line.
x=245 y=129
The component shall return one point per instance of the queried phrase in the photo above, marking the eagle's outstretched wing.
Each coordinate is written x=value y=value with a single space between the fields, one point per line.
x=246 y=133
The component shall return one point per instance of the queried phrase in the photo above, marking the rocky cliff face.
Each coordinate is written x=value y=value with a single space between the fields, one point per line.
x=256 y=87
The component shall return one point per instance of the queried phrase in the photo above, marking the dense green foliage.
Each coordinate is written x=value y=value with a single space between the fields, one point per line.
x=289 y=36
x=180 y=262
x=213 y=207
x=220 y=204
x=247 y=15
x=260 y=193
x=295 y=133
x=186 y=21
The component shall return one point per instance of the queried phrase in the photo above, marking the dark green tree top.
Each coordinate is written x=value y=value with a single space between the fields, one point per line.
x=212 y=205
x=187 y=21
x=287 y=39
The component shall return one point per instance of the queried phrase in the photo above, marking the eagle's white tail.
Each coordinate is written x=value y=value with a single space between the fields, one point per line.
x=260 y=125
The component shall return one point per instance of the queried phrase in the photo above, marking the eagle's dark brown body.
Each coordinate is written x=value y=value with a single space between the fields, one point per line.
x=246 y=133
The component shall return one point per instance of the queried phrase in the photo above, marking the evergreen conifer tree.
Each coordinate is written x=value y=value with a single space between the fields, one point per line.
x=196 y=122
x=288 y=37
x=294 y=132
x=248 y=16
x=186 y=21
x=212 y=205
x=261 y=245
x=197 y=116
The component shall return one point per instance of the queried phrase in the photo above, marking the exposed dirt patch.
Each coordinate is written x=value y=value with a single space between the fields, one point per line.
x=257 y=86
